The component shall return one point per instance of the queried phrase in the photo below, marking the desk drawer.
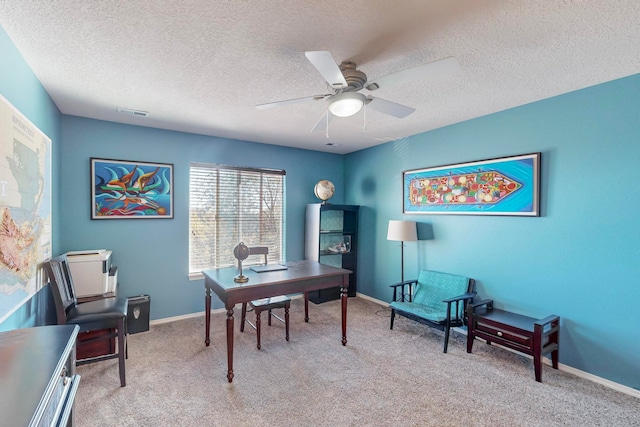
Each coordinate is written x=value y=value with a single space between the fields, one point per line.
x=503 y=334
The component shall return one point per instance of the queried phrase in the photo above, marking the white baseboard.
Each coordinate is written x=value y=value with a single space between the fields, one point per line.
x=577 y=372
x=182 y=317
x=198 y=314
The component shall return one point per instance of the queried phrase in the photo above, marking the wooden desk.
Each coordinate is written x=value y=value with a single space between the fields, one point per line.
x=301 y=276
x=38 y=381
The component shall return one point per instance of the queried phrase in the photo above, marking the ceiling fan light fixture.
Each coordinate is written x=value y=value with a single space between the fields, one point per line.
x=346 y=104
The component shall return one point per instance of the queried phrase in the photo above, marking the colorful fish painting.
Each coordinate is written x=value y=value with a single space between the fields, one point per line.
x=505 y=186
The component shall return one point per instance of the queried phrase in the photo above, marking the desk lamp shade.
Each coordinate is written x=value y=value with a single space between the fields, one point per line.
x=402 y=231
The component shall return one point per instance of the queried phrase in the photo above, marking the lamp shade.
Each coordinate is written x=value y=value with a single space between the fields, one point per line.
x=346 y=104
x=405 y=231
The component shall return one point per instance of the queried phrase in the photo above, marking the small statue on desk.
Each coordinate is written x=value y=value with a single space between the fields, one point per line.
x=241 y=252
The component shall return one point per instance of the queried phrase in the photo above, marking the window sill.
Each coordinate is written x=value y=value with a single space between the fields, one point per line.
x=196 y=276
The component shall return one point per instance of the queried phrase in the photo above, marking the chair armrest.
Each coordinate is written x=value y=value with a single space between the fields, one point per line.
x=402 y=285
x=461 y=297
x=406 y=282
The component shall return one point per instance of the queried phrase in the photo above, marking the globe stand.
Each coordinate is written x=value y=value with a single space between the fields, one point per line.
x=240 y=278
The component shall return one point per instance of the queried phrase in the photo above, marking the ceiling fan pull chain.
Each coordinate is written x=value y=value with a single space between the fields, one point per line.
x=327 y=132
x=364 y=118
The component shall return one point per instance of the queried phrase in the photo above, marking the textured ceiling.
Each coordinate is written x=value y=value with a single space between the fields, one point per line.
x=202 y=66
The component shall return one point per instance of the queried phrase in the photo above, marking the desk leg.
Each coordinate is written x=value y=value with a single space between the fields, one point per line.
x=207 y=316
x=230 y=343
x=306 y=307
x=343 y=297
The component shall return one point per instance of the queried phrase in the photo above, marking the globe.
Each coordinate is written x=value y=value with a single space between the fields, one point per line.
x=324 y=189
x=241 y=251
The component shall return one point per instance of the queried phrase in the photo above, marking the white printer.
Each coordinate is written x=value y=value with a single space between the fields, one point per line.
x=92 y=272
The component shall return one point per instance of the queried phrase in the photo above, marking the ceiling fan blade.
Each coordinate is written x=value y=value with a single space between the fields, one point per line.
x=291 y=101
x=321 y=126
x=442 y=67
x=328 y=68
x=391 y=108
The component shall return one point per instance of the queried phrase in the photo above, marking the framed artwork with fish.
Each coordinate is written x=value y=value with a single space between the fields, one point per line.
x=502 y=186
x=125 y=189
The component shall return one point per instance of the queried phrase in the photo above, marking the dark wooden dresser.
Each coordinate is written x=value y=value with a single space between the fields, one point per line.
x=38 y=383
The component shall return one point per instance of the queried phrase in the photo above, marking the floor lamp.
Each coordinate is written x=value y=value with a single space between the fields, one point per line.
x=402 y=231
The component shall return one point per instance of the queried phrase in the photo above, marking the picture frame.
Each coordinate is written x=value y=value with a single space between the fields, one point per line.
x=127 y=189
x=500 y=186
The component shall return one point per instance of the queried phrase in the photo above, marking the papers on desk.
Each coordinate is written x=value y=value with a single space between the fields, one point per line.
x=268 y=267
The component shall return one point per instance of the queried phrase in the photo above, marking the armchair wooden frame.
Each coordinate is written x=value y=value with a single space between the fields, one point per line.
x=454 y=314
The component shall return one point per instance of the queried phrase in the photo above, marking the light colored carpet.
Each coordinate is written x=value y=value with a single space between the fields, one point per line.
x=380 y=378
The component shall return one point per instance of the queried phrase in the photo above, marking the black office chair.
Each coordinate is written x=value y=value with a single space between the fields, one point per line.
x=103 y=314
x=265 y=304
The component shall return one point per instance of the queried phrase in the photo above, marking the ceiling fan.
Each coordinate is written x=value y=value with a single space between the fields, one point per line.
x=345 y=82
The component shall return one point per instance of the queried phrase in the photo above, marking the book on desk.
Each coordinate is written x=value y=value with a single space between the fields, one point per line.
x=268 y=267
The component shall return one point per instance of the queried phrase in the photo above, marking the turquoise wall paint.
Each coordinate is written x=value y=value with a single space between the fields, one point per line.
x=578 y=260
x=21 y=88
x=153 y=255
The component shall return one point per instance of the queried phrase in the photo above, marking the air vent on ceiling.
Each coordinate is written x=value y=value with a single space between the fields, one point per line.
x=131 y=112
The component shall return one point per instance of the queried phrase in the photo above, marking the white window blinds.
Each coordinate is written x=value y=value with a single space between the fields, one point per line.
x=229 y=205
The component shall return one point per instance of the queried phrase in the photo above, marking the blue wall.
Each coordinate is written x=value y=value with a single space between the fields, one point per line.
x=153 y=255
x=579 y=260
x=21 y=88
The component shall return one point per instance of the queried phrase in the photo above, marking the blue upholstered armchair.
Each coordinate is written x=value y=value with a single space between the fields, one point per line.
x=436 y=299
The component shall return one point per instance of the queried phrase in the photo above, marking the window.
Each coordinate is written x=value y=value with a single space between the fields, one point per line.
x=229 y=205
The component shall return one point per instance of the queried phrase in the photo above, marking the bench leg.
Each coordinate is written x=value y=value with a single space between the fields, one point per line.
x=537 y=352
x=393 y=315
x=446 y=338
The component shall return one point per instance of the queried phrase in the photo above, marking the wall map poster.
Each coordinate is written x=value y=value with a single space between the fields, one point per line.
x=25 y=207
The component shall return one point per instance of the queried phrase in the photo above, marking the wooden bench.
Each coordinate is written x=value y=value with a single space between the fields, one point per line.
x=435 y=299
x=535 y=337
